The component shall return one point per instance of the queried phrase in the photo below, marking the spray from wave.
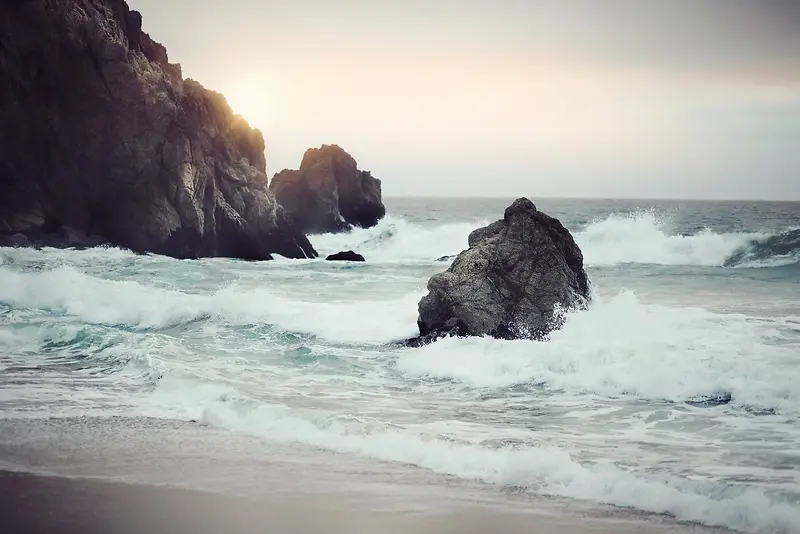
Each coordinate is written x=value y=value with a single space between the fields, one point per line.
x=395 y=239
x=646 y=238
x=643 y=237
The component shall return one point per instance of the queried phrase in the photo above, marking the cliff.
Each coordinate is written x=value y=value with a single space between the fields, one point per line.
x=101 y=136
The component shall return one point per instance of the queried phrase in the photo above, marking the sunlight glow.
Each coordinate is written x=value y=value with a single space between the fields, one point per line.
x=251 y=99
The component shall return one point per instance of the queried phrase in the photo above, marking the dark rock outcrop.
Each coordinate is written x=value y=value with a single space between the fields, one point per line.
x=329 y=193
x=101 y=136
x=15 y=241
x=509 y=283
x=346 y=256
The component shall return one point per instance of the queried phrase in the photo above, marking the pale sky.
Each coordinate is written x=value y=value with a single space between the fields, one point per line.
x=587 y=98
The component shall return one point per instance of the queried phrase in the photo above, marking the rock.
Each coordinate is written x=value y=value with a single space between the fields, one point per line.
x=346 y=256
x=509 y=283
x=18 y=241
x=96 y=241
x=329 y=193
x=100 y=134
x=68 y=237
x=446 y=258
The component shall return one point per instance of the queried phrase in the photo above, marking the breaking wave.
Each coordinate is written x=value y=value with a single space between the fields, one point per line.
x=773 y=251
x=621 y=347
x=641 y=237
x=539 y=467
x=66 y=290
x=395 y=239
x=646 y=238
x=177 y=339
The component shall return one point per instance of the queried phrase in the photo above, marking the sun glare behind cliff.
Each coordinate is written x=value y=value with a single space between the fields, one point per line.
x=250 y=97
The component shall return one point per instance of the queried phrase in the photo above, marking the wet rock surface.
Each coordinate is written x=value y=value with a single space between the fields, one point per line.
x=510 y=283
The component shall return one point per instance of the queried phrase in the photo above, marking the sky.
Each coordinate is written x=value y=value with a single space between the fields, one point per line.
x=575 y=98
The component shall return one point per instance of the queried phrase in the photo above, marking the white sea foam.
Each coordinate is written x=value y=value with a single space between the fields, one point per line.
x=56 y=256
x=646 y=237
x=620 y=348
x=544 y=469
x=395 y=239
x=69 y=291
x=643 y=237
x=94 y=300
x=779 y=260
x=623 y=347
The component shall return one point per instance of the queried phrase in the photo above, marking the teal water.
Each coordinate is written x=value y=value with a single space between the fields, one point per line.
x=676 y=392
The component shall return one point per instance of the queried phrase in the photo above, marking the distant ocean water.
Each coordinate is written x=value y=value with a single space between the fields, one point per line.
x=677 y=391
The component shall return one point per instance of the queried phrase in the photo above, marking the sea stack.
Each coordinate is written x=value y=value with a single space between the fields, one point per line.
x=103 y=141
x=510 y=283
x=329 y=194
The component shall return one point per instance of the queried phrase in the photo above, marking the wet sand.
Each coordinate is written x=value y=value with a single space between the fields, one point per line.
x=125 y=475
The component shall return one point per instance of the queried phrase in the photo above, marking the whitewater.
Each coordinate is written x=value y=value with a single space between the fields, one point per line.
x=676 y=392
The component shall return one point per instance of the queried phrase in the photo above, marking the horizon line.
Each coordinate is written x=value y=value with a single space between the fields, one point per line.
x=671 y=199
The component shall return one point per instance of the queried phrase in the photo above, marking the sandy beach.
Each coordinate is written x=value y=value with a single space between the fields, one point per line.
x=130 y=475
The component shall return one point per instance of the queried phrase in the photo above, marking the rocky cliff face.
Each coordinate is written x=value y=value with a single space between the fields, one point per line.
x=100 y=135
x=509 y=283
x=329 y=193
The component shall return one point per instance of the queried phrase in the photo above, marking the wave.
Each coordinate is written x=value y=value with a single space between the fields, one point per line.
x=59 y=255
x=645 y=237
x=621 y=347
x=68 y=291
x=75 y=369
x=395 y=239
x=773 y=251
x=544 y=469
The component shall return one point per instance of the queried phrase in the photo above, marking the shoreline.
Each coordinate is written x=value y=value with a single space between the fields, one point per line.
x=48 y=504
x=129 y=475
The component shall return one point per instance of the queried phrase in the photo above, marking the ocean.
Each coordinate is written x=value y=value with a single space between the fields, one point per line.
x=677 y=392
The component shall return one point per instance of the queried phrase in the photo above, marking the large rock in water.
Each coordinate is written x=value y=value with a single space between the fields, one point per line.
x=101 y=136
x=509 y=283
x=329 y=193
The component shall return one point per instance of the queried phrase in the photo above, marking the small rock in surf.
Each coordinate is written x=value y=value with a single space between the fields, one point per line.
x=17 y=241
x=348 y=255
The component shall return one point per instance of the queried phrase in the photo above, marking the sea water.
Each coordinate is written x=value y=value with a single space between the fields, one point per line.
x=677 y=391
